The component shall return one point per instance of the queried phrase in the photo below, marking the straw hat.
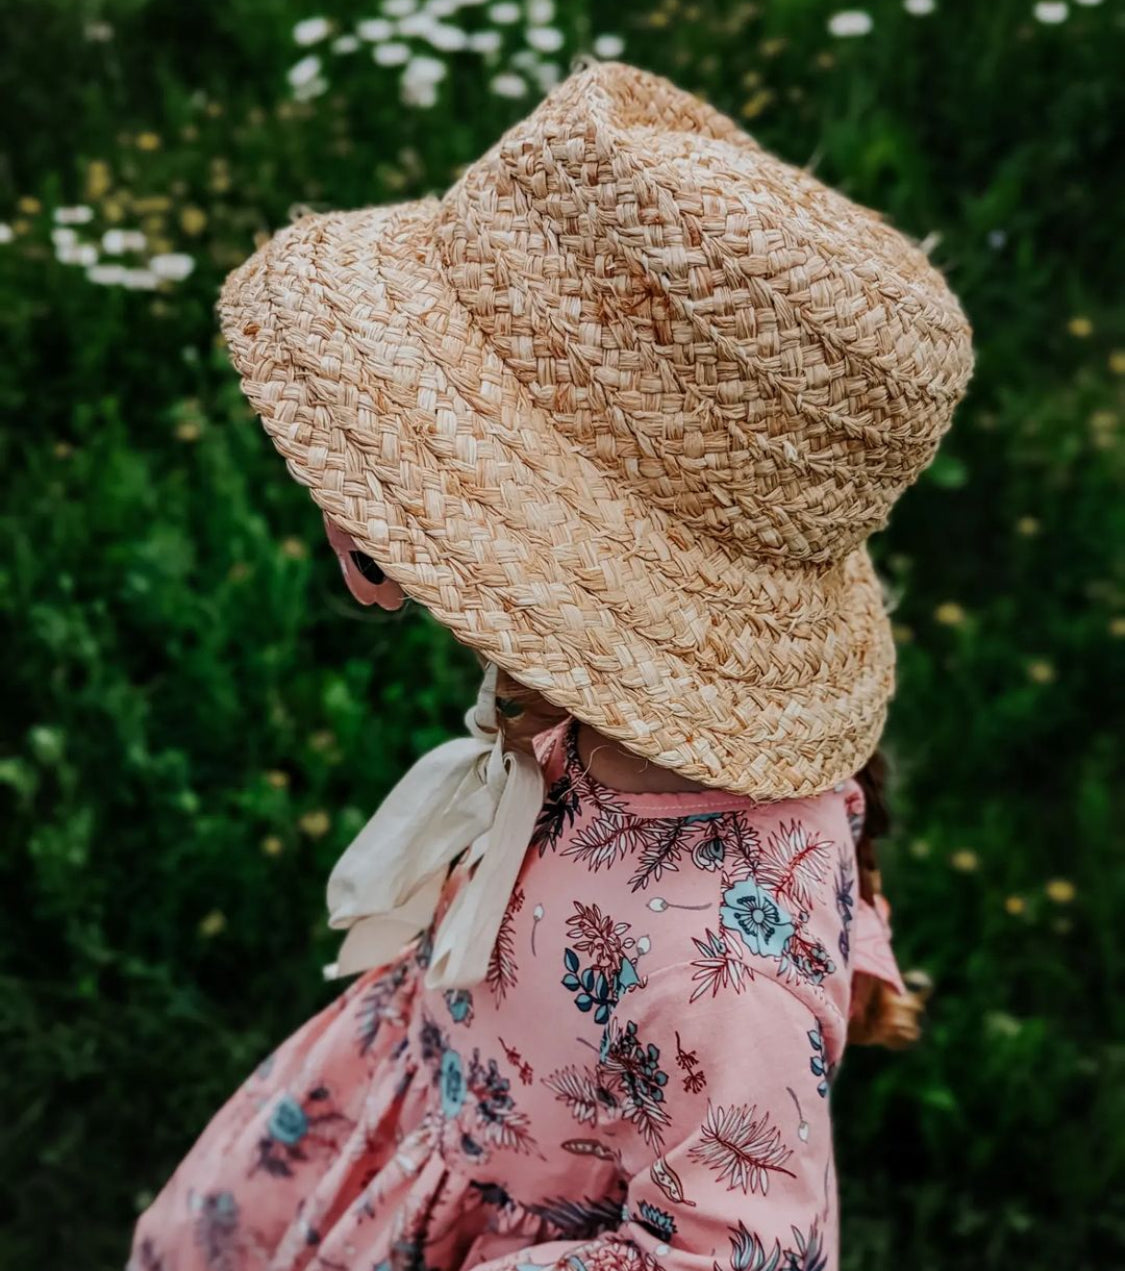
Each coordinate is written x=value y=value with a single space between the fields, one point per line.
x=620 y=410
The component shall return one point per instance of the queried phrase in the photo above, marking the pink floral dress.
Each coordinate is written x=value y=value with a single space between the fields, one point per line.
x=642 y=1082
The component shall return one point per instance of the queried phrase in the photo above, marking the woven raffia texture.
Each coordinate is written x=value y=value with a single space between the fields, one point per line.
x=621 y=410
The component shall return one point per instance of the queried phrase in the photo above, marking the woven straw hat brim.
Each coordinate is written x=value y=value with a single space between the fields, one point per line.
x=387 y=402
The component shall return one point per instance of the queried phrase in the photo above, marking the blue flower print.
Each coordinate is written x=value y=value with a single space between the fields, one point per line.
x=452 y=1083
x=764 y=925
x=709 y=853
x=460 y=1003
x=288 y=1122
x=627 y=976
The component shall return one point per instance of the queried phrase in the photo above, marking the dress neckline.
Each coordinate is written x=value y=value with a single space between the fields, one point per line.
x=649 y=803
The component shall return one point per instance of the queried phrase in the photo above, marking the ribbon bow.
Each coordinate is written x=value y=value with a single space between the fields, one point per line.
x=384 y=890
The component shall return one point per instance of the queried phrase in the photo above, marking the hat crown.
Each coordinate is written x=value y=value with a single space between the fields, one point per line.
x=739 y=345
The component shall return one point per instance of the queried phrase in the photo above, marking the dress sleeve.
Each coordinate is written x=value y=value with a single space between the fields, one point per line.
x=723 y=1135
x=873 y=952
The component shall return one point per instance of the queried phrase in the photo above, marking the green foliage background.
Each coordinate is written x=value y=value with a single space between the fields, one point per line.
x=196 y=719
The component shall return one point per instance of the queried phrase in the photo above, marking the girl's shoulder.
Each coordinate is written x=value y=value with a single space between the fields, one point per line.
x=722 y=888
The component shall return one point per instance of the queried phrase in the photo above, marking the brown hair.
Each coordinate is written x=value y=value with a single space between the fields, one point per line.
x=884 y=1017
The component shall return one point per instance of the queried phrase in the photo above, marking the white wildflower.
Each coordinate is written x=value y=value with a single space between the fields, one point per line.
x=73 y=215
x=447 y=38
x=98 y=32
x=107 y=275
x=173 y=265
x=311 y=31
x=997 y=238
x=399 y=8
x=546 y=39
x=419 y=24
x=850 y=22
x=918 y=8
x=419 y=93
x=547 y=75
x=314 y=88
x=393 y=53
x=304 y=71
x=64 y=237
x=345 y=44
x=78 y=254
x=540 y=12
x=525 y=60
x=117 y=241
x=375 y=29
x=139 y=279
x=1051 y=12
x=425 y=70
x=508 y=84
x=442 y=8
x=505 y=13
x=609 y=46
x=6 y=234
x=1088 y=3
x=485 y=41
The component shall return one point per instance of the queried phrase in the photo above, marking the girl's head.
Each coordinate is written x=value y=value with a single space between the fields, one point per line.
x=621 y=409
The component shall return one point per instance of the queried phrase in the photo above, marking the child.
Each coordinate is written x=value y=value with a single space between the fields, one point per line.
x=620 y=410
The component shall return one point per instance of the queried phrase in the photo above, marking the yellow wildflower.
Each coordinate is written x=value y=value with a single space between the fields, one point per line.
x=213 y=924
x=1117 y=626
x=920 y=849
x=771 y=48
x=315 y=824
x=272 y=845
x=950 y=614
x=1015 y=905
x=113 y=210
x=63 y=449
x=754 y=107
x=188 y=430
x=1080 y=326
x=214 y=109
x=1117 y=361
x=1061 y=890
x=193 y=220
x=147 y=141
x=278 y=779
x=98 y=179
x=964 y=860
x=1040 y=671
x=1027 y=526
x=322 y=740
x=902 y=633
x=294 y=548
x=29 y=206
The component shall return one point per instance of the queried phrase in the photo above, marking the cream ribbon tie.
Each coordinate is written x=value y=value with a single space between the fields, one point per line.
x=465 y=793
